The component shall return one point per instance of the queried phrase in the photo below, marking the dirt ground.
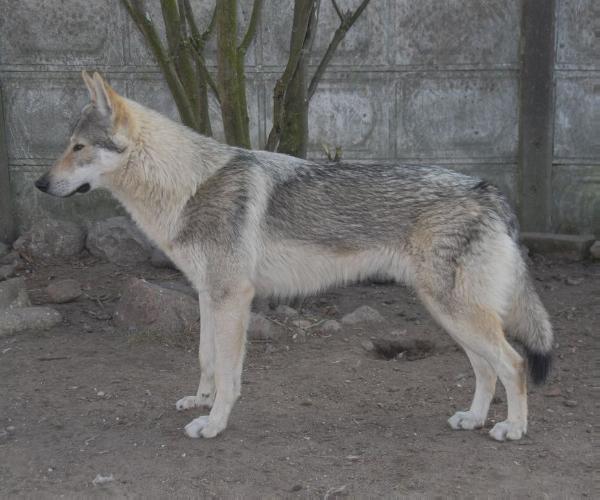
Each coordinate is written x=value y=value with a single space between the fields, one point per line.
x=319 y=415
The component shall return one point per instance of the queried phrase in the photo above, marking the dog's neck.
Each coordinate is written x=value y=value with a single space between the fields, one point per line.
x=166 y=165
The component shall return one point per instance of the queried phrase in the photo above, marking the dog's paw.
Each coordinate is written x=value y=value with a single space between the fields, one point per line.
x=508 y=430
x=188 y=402
x=202 y=427
x=194 y=428
x=465 y=420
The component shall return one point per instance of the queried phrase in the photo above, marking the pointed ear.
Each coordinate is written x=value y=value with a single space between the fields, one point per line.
x=89 y=83
x=104 y=95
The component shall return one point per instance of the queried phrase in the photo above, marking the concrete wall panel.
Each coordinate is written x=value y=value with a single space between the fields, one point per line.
x=456 y=32
x=577 y=120
x=468 y=116
x=70 y=32
x=578 y=33
x=41 y=114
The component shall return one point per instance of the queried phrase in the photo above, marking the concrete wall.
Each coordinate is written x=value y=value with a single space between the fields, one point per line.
x=425 y=81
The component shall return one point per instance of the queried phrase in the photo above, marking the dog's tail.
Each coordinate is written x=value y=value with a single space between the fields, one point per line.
x=527 y=321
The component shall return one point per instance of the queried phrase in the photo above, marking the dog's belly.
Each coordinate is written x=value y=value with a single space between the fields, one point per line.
x=297 y=268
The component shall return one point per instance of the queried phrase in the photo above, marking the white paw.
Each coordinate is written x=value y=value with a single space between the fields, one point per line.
x=194 y=402
x=508 y=430
x=194 y=428
x=466 y=420
x=201 y=427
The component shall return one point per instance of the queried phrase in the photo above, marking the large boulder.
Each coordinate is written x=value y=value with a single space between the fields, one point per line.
x=118 y=240
x=150 y=308
x=51 y=238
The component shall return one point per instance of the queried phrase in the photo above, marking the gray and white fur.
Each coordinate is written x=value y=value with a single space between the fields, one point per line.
x=240 y=223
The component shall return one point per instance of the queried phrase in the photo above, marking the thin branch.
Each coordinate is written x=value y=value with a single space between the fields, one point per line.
x=297 y=47
x=144 y=23
x=346 y=22
x=251 y=31
x=338 y=11
x=198 y=42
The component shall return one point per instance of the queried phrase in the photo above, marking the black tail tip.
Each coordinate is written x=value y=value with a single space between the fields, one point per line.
x=539 y=365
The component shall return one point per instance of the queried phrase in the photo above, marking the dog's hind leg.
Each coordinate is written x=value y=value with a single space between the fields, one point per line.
x=479 y=329
x=206 y=354
x=485 y=386
x=231 y=313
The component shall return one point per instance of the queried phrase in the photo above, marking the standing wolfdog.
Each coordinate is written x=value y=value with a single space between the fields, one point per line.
x=240 y=222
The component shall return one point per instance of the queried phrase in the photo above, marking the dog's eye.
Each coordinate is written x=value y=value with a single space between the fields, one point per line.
x=78 y=147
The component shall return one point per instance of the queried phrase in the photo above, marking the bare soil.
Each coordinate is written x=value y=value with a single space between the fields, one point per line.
x=319 y=415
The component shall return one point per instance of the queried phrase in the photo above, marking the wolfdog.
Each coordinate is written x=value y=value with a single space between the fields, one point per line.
x=239 y=223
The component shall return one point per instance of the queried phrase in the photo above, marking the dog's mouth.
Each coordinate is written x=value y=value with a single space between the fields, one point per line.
x=84 y=188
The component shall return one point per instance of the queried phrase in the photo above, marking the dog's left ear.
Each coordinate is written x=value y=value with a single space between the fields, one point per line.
x=103 y=95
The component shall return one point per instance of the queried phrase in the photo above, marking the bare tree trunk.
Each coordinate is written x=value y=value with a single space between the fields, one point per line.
x=291 y=97
x=294 y=120
x=230 y=77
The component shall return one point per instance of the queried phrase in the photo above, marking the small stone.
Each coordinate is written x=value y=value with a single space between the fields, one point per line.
x=8 y=271
x=331 y=326
x=285 y=310
x=571 y=403
x=573 y=281
x=10 y=258
x=367 y=345
x=260 y=328
x=13 y=294
x=60 y=292
x=303 y=324
x=11 y=428
x=364 y=314
x=28 y=318
x=595 y=250
x=553 y=392
x=296 y=487
x=100 y=394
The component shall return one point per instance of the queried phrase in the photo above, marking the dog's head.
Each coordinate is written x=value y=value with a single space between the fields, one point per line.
x=99 y=144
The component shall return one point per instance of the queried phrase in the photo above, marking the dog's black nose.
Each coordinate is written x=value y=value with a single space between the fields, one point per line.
x=42 y=183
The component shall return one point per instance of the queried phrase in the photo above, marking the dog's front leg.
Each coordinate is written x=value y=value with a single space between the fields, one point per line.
x=229 y=310
x=206 y=354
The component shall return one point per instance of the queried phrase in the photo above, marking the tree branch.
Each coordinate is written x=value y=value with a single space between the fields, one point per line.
x=198 y=43
x=346 y=22
x=304 y=12
x=144 y=23
x=251 y=31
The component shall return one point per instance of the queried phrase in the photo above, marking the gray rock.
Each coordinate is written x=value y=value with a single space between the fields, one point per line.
x=13 y=294
x=303 y=324
x=595 y=250
x=261 y=328
x=63 y=291
x=149 y=308
x=160 y=260
x=118 y=240
x=331 y=326
x=50 y=238
x=10 y=258
x=8 y=271
x=28 y=318
x=4 y=249
x=285 y=310
x=364 y=314
x=572 y=281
